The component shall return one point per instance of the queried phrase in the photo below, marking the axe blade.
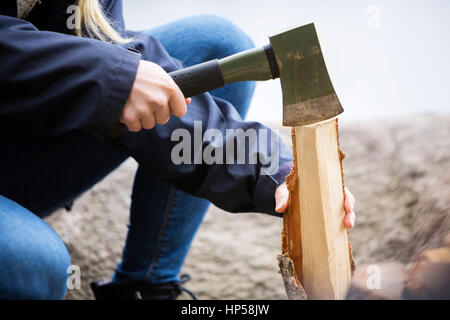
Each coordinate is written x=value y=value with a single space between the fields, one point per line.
x=308 y=94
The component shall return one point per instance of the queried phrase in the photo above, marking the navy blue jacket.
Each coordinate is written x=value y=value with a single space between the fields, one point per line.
x=53 y=82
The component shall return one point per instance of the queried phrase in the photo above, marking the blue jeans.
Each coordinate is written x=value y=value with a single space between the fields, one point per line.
x=43 y=174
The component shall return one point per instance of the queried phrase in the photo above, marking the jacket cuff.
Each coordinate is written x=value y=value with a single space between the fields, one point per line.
x=264 y=196
x=120 y=81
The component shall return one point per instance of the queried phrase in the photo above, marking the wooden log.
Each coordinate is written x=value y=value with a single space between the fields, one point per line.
x=314 y=235
x=326 y=260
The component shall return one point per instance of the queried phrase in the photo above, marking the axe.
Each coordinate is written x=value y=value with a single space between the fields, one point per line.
x=315 y=242
x=294 y=56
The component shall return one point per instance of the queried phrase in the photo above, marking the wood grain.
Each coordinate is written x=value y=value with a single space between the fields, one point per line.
x=314 y=236
x=326 y=266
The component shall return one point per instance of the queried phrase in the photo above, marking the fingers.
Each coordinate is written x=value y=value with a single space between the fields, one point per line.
x=349 y=204
x=147 y=118
x=349 y=220
x=153 y=98
x=148 y=122
x=161 y=114
x=281 y=198
x=131 y=120
x=178 y=103
x=134 y=126
x=161 y=111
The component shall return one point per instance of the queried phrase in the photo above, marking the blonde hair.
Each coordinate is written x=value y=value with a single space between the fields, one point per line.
x=96 y=24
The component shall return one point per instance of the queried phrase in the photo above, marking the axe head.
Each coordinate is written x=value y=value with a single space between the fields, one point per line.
x=308 y=94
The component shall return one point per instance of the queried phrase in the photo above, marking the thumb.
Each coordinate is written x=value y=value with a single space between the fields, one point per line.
x=281 y=198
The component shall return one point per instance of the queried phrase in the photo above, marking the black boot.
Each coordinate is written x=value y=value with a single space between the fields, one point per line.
x=140 y=290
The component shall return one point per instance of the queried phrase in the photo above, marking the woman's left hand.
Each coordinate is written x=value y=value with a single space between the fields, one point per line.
x=282 y=196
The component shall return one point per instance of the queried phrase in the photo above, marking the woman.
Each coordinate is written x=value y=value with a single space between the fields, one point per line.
x=62 y=96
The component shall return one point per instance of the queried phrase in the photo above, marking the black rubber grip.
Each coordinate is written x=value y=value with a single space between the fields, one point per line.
x=272 y=61
x=198 y=79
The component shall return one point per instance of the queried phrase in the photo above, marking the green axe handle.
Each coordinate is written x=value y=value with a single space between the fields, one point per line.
x=257 y=64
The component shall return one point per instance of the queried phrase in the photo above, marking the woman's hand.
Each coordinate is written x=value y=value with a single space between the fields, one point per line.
x=282 y=196
x=153 y=98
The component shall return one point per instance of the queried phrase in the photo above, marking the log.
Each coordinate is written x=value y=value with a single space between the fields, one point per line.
x=314 y=236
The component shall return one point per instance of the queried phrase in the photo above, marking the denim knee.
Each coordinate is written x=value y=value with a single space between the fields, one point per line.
x=222 y=35
x=33 y=258
x=221 y=38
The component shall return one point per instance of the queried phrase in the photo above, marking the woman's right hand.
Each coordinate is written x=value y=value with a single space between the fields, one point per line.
x=153 y=98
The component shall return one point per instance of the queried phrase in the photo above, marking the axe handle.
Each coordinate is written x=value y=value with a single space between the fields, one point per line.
x=200 y=78
x=256 y=64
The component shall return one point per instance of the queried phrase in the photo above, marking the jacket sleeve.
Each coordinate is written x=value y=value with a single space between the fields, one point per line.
x=226 y=182
x=53 y=83
x=231 y=186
